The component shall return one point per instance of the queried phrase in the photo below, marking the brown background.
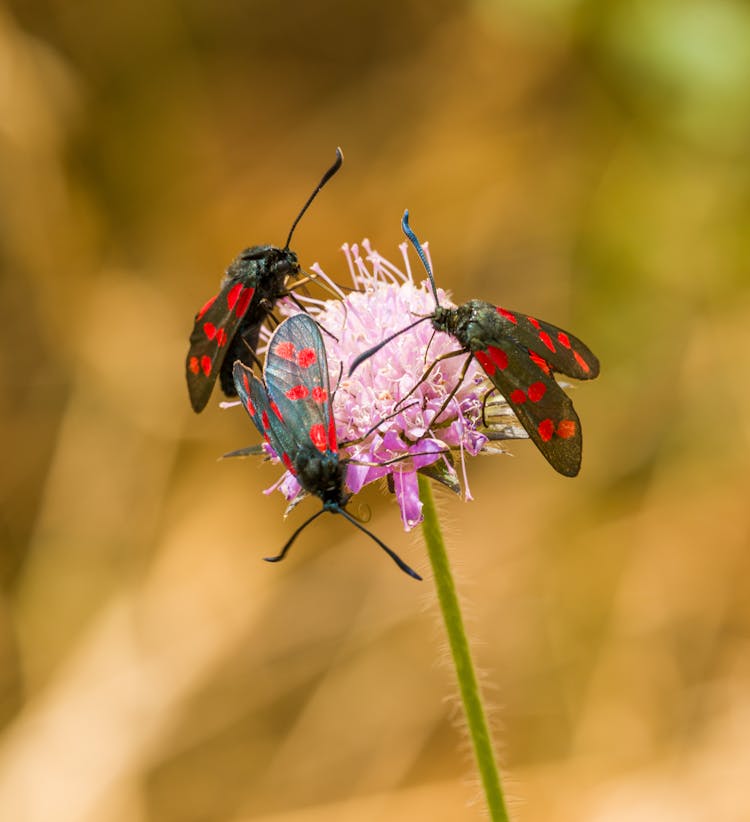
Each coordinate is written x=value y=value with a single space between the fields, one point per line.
x=585 y=162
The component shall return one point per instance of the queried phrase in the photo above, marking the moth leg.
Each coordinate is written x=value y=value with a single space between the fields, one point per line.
x=456 y=353
x=452 y=394
x=252 y=353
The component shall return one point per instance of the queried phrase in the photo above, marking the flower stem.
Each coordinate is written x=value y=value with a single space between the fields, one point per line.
x=467 y=680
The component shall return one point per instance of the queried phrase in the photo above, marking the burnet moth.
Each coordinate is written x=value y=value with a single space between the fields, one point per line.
x=291 y=407
x=520 y=354
x=228 y=326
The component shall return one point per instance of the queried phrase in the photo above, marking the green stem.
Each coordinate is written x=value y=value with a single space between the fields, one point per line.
x=467 y=680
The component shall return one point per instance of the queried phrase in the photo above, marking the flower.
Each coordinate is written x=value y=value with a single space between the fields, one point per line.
x=392 y=420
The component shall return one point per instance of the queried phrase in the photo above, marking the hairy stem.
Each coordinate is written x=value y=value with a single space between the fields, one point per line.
x=467 y=680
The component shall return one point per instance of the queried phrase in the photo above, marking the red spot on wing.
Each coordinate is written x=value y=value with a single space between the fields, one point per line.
x=485 y=362
x=540 y=361
x=234 y=295
x=306 y=358
x=545 y=338
x=318 y=436
x=244 y=301
x=563 y=339
x=194 y=365
x=206 y=364
x=579 y=359
x=285 y=459
x=499 y=357
x=333 y=442
x=534 y=322
x=275 y=409
x=319 y=394
x=246 y=383
x=536 y=391
x=209 y=329
x=546 y=429
x=566 y=429
x=206 y=307
x=221 y=337
x=298 y=392
x=518 y=397
x=251 y=407
x=509 y=315
x=285 y=350
x=264 y=419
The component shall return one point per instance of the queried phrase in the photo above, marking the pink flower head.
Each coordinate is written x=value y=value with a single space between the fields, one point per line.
x=388 y=415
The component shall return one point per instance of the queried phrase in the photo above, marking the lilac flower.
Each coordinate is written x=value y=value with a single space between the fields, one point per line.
x=387 y=421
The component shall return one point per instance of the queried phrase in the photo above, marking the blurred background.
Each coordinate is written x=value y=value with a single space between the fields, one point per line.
x=584 y=162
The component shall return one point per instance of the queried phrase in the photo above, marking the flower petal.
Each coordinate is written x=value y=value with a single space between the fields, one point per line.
x=407 y=493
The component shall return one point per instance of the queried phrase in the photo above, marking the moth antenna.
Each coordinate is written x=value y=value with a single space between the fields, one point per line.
x=395 y=557
x=282 y=552
x=324 y=179
x=412 y=237
x=365 y=355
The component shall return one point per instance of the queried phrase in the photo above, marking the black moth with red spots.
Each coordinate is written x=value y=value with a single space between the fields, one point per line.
x=227 y=327
x=291 y=407
x=520 y=354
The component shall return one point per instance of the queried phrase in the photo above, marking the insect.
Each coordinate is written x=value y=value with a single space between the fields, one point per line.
x=227 y=327
x=292 y=409
x=520 y=354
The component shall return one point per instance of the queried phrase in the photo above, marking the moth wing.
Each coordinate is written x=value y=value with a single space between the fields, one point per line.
x=254 y=397
x=296 y=373
x=215 y=327
x=542 y=407
x=564 y=352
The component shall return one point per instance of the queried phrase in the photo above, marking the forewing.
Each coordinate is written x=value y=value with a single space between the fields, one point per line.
x=258 y=405
x=216 y=325
x=296 y=373
x=564 y=352
x=542 y=407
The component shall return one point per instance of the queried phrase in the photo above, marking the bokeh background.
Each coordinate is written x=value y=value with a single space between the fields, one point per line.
x=586 y=162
